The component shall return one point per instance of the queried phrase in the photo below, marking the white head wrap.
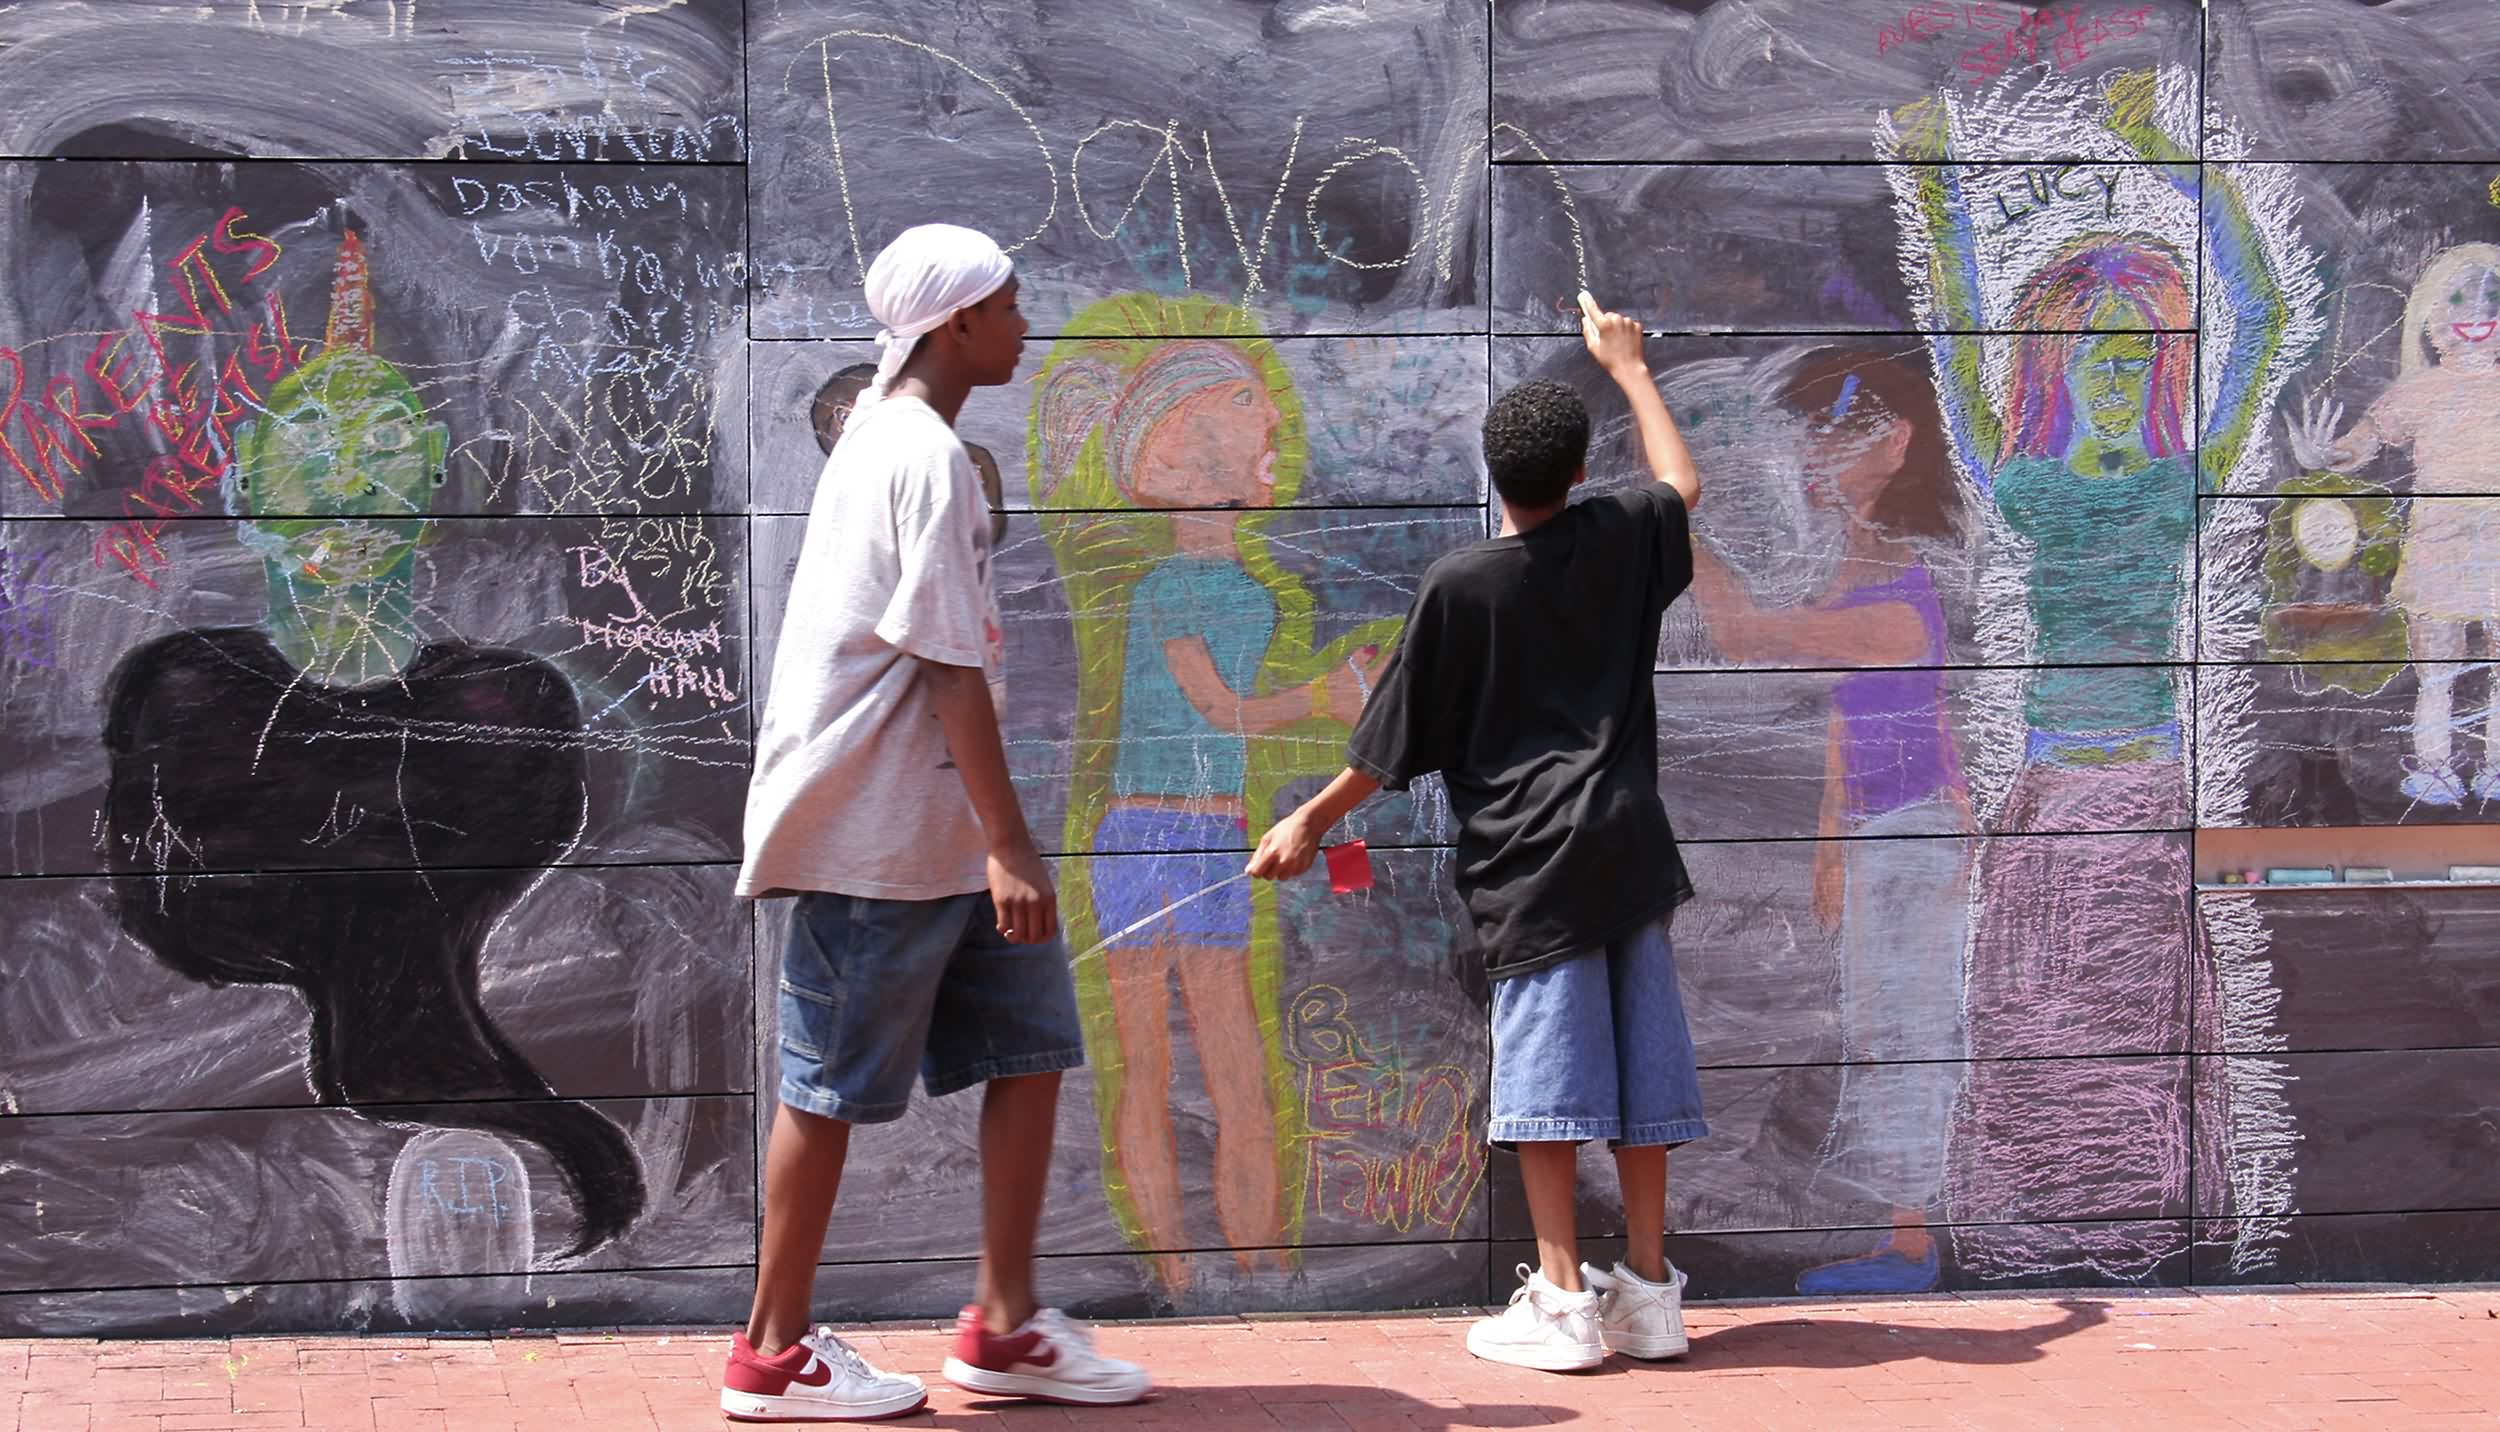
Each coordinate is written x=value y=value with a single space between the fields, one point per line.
x=922 y=279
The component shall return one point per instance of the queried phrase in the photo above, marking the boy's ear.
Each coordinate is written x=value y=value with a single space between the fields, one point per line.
x=1580 y=476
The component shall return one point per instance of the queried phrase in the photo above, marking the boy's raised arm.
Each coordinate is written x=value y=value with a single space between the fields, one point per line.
x=1614 y=340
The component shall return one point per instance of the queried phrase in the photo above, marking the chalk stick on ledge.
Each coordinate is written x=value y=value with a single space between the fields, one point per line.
x=1349 y=867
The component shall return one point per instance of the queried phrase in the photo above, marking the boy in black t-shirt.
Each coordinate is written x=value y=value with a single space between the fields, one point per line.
x=1523 y=678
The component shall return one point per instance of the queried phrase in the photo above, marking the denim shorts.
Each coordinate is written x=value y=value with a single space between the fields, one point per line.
x=1595 y=1047
x=1141 y=889
x=874 y=990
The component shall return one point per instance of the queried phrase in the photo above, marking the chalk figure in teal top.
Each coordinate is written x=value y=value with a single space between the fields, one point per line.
x=2091 y=450
x=1164 y=432
x=1168 y=747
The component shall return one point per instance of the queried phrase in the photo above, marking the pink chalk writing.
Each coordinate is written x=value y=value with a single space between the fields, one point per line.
x=45 y=437
x=2064 y=35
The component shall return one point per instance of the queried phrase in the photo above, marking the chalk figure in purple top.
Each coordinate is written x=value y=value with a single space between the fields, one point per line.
x=1899 y=907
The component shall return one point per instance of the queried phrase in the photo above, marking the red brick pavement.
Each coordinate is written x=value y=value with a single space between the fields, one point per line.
x=2383 y=1360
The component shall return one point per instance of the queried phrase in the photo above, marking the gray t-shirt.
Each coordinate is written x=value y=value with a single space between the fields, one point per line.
x=854 y=791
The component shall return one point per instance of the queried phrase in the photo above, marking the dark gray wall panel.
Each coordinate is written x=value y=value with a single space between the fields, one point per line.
x=568 y=338
x=2096 y=959
x=573 y=80
x=550 y=1301
x=2386 y=1132
x=2358 y=969
x=2345 y=79
x=1770 y=1264
x=1391 y=1277
x=1746 y=755
x=2345 y=743
x=1386 y=421
x=249 y=1195
x=2360 y=1248
x=1772 y=80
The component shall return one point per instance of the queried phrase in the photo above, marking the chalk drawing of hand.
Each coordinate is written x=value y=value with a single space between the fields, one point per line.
x=2311 y=432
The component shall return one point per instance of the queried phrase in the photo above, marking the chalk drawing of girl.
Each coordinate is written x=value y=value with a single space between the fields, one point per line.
x=1875 y=453
x=2445 y=403
x=1200 y=693
x=2079 y=428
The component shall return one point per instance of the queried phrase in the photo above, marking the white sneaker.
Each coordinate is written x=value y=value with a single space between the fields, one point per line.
x=1051 y=1357
x=819 y=1378
x=1640 y=1318
x=1544 y=1328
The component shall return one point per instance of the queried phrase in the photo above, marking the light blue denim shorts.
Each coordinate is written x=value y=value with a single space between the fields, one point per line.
x=874 y=991
x=1595 y=1047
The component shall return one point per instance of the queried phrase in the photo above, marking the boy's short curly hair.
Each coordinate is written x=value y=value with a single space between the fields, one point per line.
x=1536 y=437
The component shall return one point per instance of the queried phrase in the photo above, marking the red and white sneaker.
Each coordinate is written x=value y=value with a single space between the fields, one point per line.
x=1051 y=1358
x=819 y=1378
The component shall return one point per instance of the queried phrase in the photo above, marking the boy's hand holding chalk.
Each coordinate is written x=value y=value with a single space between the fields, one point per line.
x=1287 y=849
x=1291 y=844
x=1284 y=853
x=1614 y=339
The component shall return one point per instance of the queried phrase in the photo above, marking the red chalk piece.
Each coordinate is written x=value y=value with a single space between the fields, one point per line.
x=1349 y=867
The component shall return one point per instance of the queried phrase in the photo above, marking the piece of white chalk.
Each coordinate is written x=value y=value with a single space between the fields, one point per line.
x=1135 y=926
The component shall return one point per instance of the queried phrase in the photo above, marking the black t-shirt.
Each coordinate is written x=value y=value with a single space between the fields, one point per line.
x=1524 y=678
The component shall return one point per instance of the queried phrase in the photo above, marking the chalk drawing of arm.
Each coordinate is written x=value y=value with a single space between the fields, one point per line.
x=2240 y=267
x=1884 y=634
x=1339 y=695
x=1918 y=134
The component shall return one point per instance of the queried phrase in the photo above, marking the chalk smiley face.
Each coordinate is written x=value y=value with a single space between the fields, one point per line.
x=2471 y=312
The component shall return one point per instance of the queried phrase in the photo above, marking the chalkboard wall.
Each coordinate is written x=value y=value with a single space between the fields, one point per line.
x=408 y=413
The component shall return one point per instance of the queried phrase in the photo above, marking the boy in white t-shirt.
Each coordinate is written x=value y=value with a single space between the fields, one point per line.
x=925 y=935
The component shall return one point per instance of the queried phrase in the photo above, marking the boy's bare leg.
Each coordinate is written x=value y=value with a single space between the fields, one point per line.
x=1643 y=1171
x=802 y=1172
x=1551 y=1173
x=1018 y=1118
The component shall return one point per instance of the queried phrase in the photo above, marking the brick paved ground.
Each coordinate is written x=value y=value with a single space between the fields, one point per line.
x=2273 y=1359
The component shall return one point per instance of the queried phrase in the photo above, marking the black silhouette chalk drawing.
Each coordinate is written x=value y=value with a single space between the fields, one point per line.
x=440 y=778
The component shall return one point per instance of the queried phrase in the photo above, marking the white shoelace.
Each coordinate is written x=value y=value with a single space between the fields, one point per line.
x=1528 y=1289
x=834 y=1350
